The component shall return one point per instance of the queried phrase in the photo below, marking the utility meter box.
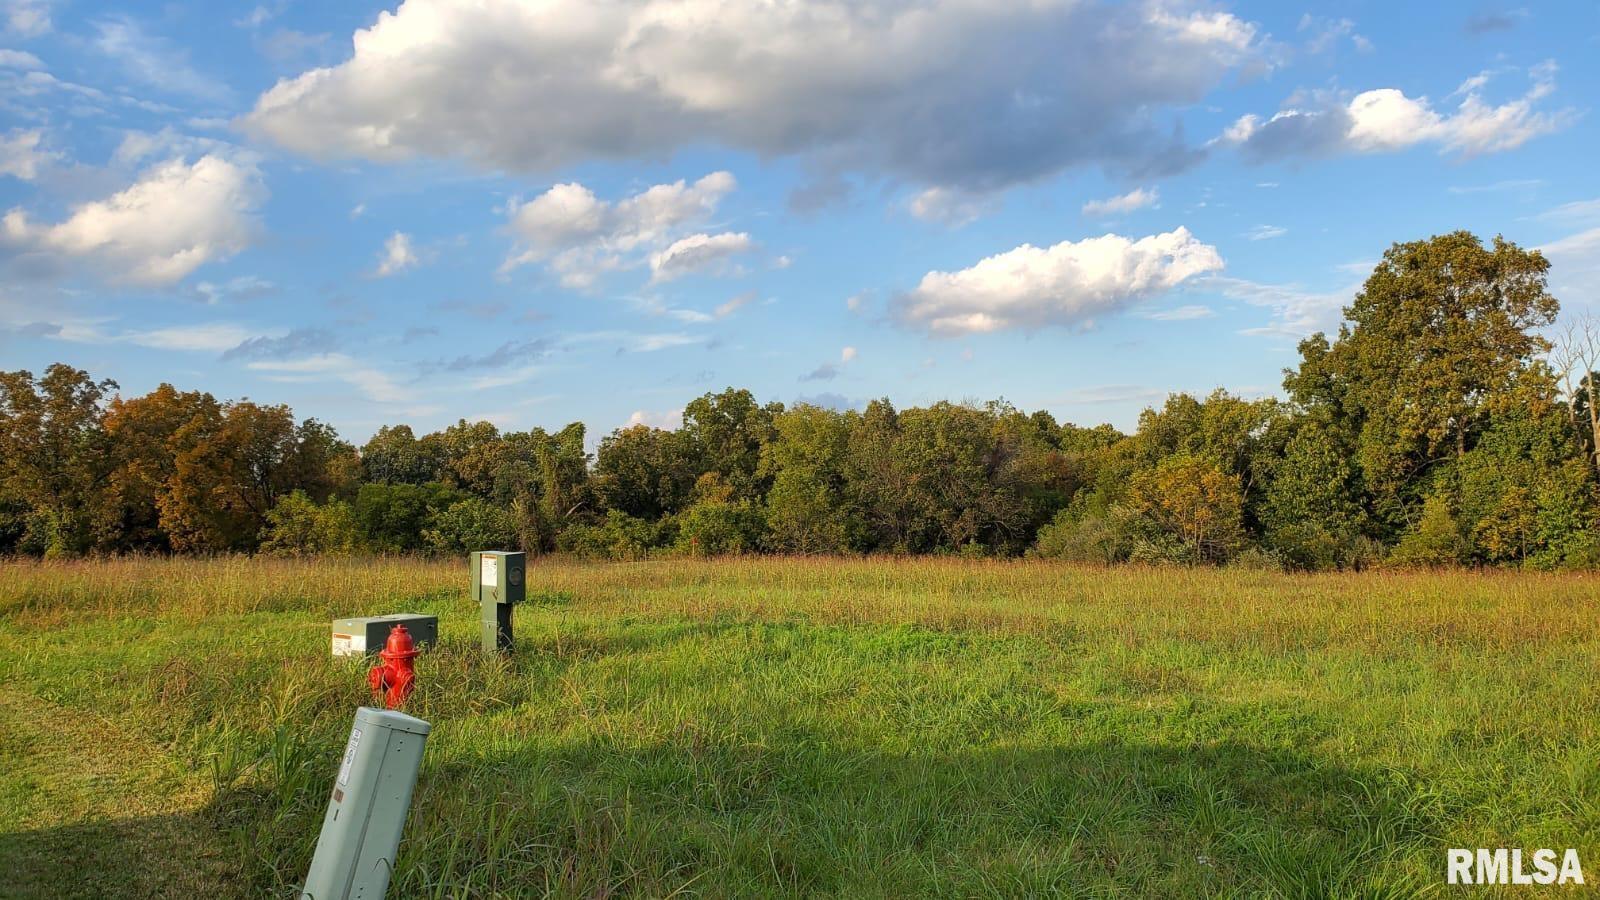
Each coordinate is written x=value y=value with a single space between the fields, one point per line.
x=498 y=583
x=363 y=635
x=371 y=796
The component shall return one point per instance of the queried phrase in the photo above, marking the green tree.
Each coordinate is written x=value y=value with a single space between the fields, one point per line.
x=1192 y=503
x=724 y=434
x=1441 y=329
x=298 y=526
x=53 y=455
x=806 y=509
x=645 y=472
x=1313 y=514
x=394 y=456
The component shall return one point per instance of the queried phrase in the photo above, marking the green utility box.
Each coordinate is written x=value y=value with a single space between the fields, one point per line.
x=371 y=796
x=362 y=635
x=498 y=583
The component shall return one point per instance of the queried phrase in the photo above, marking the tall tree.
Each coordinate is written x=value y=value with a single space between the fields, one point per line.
x=53 y=453
x=1441 y=328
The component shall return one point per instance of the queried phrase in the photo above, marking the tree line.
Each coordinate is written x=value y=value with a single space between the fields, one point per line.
x=1431 y=429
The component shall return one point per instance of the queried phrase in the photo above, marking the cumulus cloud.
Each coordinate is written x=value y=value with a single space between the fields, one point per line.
x=20 y=156
x=175 y=218
x=1067 y=284
x=1386 y=119
x=667 y=420
x=1138 y=198
x=697 y=253
x=398 y=255
x=951 y=92
x=580 y=236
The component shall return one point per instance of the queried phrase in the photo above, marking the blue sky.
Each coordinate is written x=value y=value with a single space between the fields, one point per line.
x=539 y=213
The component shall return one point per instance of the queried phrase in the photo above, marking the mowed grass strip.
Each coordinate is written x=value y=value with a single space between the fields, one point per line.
x=805 y=727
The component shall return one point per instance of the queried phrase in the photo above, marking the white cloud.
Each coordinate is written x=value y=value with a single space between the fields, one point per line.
x=1111 y=393
x=1575 y=267
x=580 y=236
x=668 y=420
x=207 y=337
x=19 y=59
x=1326 y=33
x=397 y=256
x=27 y=18
x=848 y=354
x=1067 y=284
x=734 y=304
x=175 y=218
x=950 y=92
x=950 y=206
x=1386 y=119
x=1181 y=314
x=373 y=384
x=1296 y=312
x=697 y=252
x=1266 y=232
x=20 y=156
x=155 y=62
x=1138 y=198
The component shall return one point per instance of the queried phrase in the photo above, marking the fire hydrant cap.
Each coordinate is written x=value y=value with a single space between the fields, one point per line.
x=399 y=645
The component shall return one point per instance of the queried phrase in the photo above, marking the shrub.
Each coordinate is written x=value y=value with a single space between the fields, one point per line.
x=715 y=527
x=468 y=525
x=296 y=526
x=618 y=536
x=1104 y=537
x=1436 y=538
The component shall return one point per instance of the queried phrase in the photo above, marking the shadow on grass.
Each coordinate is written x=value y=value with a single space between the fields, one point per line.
x=143 y=857
x=799 y=818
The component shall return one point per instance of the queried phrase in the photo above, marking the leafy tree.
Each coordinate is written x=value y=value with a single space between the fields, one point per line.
x=394 y=456
x=725 y=433
x=717 y=523
x=645 y=472
x=1435 y=540
x=53 y=457
x=468 y=525
x=234 y=467
x=617 y=536
x=1441 y=329
x=392 y=518
x=1193 y=507
x=143 y=436
x=297 y=526
x=1313 y=512
x=806 y=509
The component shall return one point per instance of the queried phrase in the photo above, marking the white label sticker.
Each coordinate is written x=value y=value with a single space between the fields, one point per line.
x=341 y=645
x=349 y=757
x=491 y=572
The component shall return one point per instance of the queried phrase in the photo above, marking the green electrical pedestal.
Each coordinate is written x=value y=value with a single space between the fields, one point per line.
x=498 y=583
x=361 y=830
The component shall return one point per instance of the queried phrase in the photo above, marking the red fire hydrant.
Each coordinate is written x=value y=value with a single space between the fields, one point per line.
x=392 y=679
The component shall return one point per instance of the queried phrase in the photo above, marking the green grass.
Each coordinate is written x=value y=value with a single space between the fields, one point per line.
x=791 y=727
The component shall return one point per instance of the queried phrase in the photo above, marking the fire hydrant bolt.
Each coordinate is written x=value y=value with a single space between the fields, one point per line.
x=392 y=679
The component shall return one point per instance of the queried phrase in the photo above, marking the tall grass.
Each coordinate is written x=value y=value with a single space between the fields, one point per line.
x=877 y=727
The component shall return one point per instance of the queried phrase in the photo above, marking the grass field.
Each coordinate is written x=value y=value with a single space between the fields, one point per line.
x=778 y=727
